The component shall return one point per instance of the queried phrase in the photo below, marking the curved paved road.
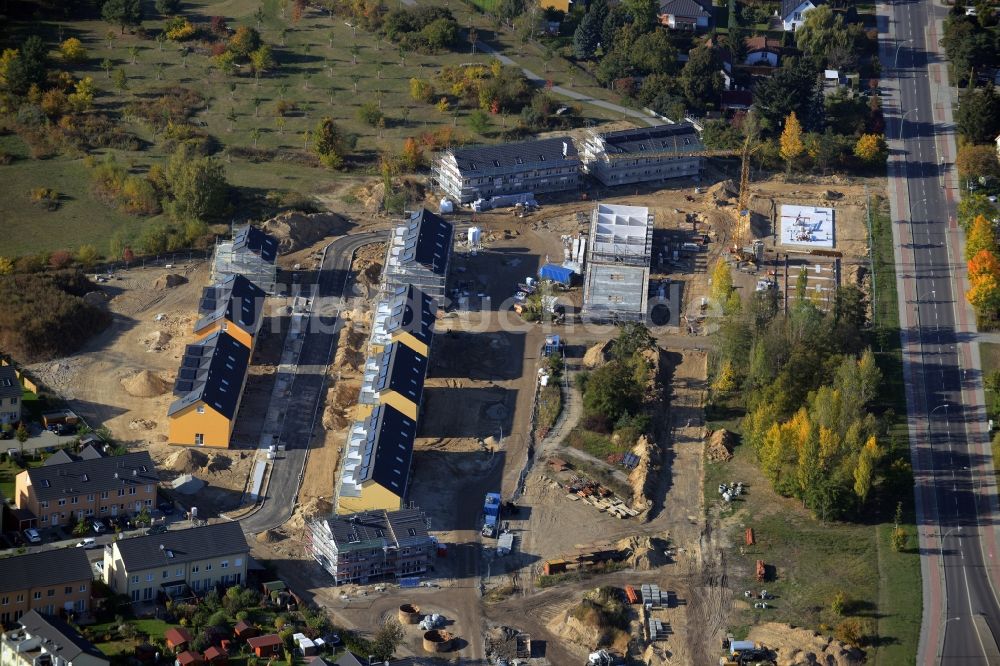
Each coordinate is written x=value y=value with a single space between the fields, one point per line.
x=308 y=386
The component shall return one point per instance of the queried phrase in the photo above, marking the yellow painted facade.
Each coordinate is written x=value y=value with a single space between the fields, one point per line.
x=215 y=428
x=561 y=5
x=373 y=496
x=404 y=338
x=402 y=404
x=234 y=331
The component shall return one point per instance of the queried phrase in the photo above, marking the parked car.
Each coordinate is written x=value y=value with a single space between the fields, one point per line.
x=120 y=522
x=32 y=535
x=98 y=525
x=88 y=543
x=65 y=429
x=99 y=568
x=166 y=507
x=157 y=529
x=6 y=434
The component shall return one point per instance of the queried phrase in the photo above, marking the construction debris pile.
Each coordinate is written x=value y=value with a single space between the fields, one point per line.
x=579 y=487
x=720 y=446
x=505 y=644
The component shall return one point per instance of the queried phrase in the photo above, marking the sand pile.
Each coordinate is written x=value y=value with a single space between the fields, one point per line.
x=368 y=262
x=349 y=354
x=141 y=424
x=597 y=355
x=584 y=623
x=145 y=384
x=316 y=506
x=645 y=552
x=187 y=461
x=796 y=646
x=97 y=299
x=720 y=445
x=642 y=479
x=268 y=536
x=723 y=190
x=168 y=281
x=158 y=340
x=340 y=399
x=295 y=230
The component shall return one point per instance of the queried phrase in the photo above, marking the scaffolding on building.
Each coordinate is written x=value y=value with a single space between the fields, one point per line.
x=616 y=287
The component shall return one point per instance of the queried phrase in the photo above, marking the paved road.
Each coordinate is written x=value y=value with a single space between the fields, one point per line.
x=572 y=94
x=952 y=467
x=308 y=386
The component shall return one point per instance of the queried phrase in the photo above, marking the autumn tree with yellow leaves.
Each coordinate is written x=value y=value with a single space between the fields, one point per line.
x=984 y=269
x=792 y=145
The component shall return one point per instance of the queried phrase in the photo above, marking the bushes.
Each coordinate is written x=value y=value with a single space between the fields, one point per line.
x=179 y=29
x=427 y=29
x=167 y=105
x=45 y=316
x=45 y=197
x=128 y=193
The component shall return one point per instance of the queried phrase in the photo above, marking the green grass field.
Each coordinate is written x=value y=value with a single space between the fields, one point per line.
x=315 y=72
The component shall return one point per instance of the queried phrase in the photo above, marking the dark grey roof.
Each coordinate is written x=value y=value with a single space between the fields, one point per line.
x=346 y=659
x=90 y=452
x=388 y=449
x=680 y=137
x=44 y=568
x=789 y=6
x=433 y=240
x=259 y=242
x=176 y=546
x=212 y=371
x=413 y=311
x=378 y=526
x=93 y=476
x=523 y=153
x=235 y=299
x=683 y=8
x=402 y=370
x=10 y=386
x=62 y=640
x=63 y=456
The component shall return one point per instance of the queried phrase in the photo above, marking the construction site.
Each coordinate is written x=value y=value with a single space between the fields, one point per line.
x=584 y=537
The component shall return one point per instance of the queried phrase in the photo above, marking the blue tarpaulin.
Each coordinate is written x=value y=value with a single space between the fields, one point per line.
x=556 y=273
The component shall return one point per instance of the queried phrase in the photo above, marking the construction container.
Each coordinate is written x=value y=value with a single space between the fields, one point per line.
x=556 y=273
x=437 y=640
x=631 y=595
x=761 y=570
x=409 y=614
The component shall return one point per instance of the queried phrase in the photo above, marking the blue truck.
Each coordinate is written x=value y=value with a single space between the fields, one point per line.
x=491 y=515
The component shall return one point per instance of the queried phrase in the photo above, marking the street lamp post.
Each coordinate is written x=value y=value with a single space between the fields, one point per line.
x=930 y=416
x=945 y=625
x=899 y=131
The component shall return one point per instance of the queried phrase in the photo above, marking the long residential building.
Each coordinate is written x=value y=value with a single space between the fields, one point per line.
x=46 y=640
x=418 y=254
x=643 y=154
x=482 y=172
x=49 y=581
x=375 y=471
x=196 y=559
x=209 y=389
x=373 y=544
x=234 y=305
x=85 y=488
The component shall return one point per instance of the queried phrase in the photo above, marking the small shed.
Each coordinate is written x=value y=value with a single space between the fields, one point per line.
x=189 y=658
x=177 y=638
x=216 y=655
x=266 y=646
x=243 y=631
x=305 y=644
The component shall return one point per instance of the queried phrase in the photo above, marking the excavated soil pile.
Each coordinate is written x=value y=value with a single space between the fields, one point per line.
x=349 y=354
x=722 y=191
x=597 y=355
x=145 y=384
x=187 y=461
x=367 y=264
x=803 y=647
x=158 y=340
x=340 y=400
x=316 y=506
x=97 y=299
x=295 y=230
x=642 y=479
x=720 y=446
x=645 y=552
x=168 y=281
x=597 y=620
x=268 y=536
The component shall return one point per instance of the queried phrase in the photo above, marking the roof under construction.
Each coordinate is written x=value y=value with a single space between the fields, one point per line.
x=621 y=234
x=617 y=282
x=676 y=138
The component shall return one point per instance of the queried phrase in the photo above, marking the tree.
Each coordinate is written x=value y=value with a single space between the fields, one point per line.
x=354 y=79
x=981 y=237
x=791 y=139
x=121 y=81
x=984 y=262
x=23 y=67
x=370 y=113
x=653 y=53
x=984 y=294
x=978 y=115
x=973 y=205
x=87 y=255
x=387 y=638
x=261 y=60
x=166 y=7
x=6 y=266
x=421 y=91
x=865 y=470
x=722 y=282
x=22 y=436
x=198 y=185
x=700 y=79
x=106 y=65
x=870 y=148
x=821 y=33
x=133 y=53
x=123 y=13
x=899 y=539
x=330 y=143
x=725 y=380
x=587 y=36
x=244 y=41
x=82 y=97
x=791 y=88
x=611 y=391
x=412 y=156
x=479 y=121
x=72 y=50
x=975 y=162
